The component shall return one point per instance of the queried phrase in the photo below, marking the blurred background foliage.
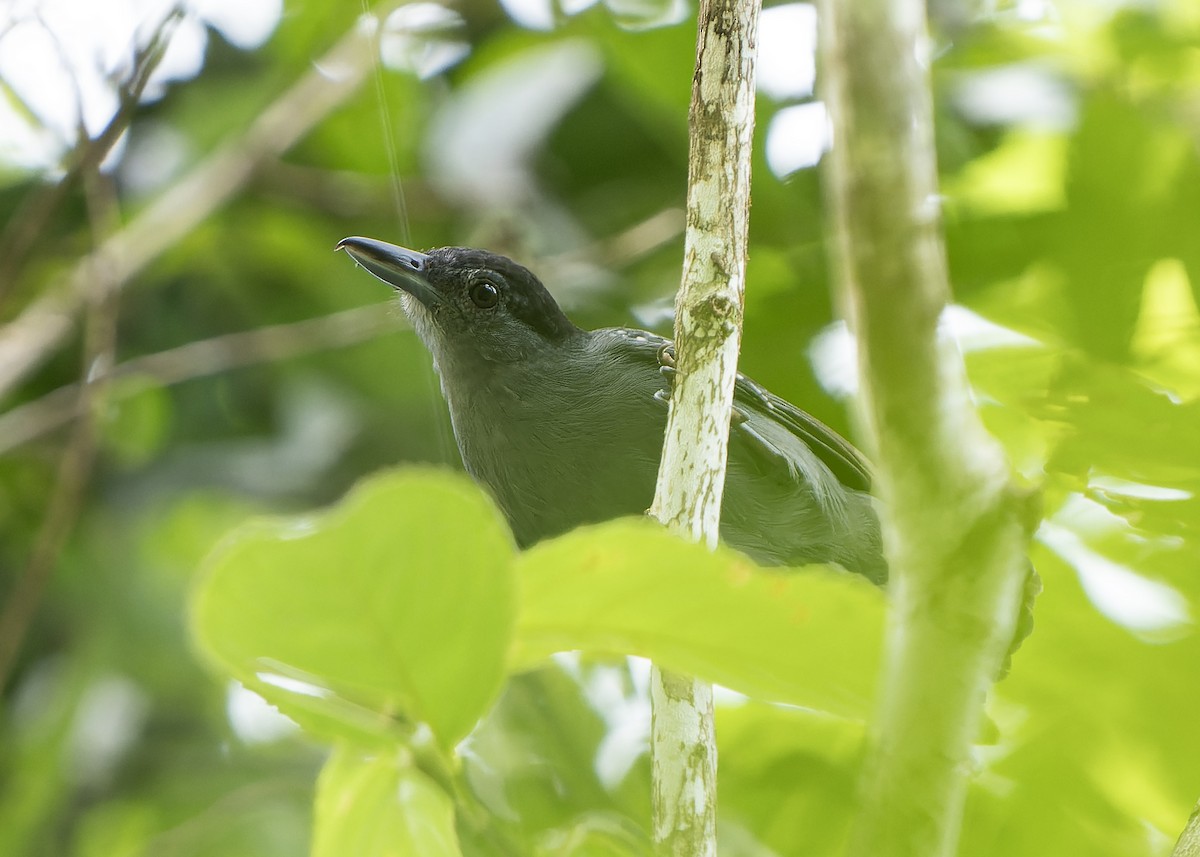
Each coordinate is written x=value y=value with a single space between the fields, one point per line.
x=257 y=371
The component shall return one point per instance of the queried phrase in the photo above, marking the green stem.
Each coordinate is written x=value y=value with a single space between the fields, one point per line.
x=953 y=523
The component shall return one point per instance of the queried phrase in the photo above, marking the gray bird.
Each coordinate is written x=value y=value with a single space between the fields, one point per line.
x=565 y=426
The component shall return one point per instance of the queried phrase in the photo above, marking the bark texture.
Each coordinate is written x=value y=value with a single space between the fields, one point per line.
x=952 y=519
x=708 y=320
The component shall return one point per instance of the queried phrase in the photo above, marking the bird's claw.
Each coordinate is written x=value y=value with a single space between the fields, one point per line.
x=666 y=368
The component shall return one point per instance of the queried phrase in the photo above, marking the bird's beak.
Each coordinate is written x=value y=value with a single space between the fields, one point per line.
x=399 y=268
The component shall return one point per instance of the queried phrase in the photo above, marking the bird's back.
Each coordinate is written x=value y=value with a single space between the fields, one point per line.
x=586 y=448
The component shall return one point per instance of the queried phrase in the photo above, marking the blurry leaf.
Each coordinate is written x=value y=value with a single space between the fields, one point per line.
x=397 y=603
x=560 y=746
x=1076 y=770
x=138 y=419
x=638 y=15
x=1026 y=173
x=538 y=85
x=359 y=139
x=606 y=164
x=646 y=71
x=1109 y=555
x=595 y=835
x=1166 y=341
x=1121 y=425
x=1115 y=230
x=381 y=807
x=1002 y=254
x=424 y=38
x=176 y=537
x=789 y=775
x=809 y=637
x=1080 y=232
x=116 y=829
x=37 y=731
x=1148 y=42
x=988 y=45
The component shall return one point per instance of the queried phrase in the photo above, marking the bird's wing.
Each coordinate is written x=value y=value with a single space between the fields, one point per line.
x=750 y=397
x=834 y=451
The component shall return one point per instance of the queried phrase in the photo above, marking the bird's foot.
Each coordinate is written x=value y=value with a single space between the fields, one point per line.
x=666 y=368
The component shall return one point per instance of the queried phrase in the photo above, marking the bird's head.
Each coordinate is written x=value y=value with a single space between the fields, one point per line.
x=467 y=305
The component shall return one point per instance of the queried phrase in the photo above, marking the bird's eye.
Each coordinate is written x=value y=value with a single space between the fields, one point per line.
x=485 y=294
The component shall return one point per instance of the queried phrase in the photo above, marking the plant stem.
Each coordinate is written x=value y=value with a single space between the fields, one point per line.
x=952 y=520
x=708 y=320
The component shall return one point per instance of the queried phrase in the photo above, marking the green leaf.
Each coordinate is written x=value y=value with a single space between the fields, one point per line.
x=595 y=835
x=379 y=807
x=542 y=759
x=809 y=637
x=397 y=603
x=138 y=419
x=789 y=775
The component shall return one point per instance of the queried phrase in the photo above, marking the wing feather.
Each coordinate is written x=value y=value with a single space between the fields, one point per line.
x=750 y=397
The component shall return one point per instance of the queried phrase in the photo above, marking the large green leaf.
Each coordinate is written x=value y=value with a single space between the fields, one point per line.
x=809 y=637
x=379 y=807
x=398 y=603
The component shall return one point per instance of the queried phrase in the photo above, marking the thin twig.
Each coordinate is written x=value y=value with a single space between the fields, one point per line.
x=200 y=359
x=36 y=210
x=76 y=463
x=206 y=357
x=27 y=341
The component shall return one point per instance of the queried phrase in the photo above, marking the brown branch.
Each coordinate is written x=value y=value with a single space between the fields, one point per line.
x=27 y=341
x=627 y=246
x=200 y=359
x=205 y=357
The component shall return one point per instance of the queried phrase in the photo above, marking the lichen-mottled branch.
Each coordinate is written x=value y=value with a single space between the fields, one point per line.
x=708 y=319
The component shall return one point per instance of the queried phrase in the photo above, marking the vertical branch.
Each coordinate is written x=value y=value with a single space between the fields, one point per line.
x=708 y=322
x=952 y=521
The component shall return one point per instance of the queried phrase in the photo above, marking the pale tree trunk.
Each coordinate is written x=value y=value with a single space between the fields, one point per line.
x=708 y=321
x=952 y=519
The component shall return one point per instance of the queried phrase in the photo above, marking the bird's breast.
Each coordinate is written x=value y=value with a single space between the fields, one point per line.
x=555 y=456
